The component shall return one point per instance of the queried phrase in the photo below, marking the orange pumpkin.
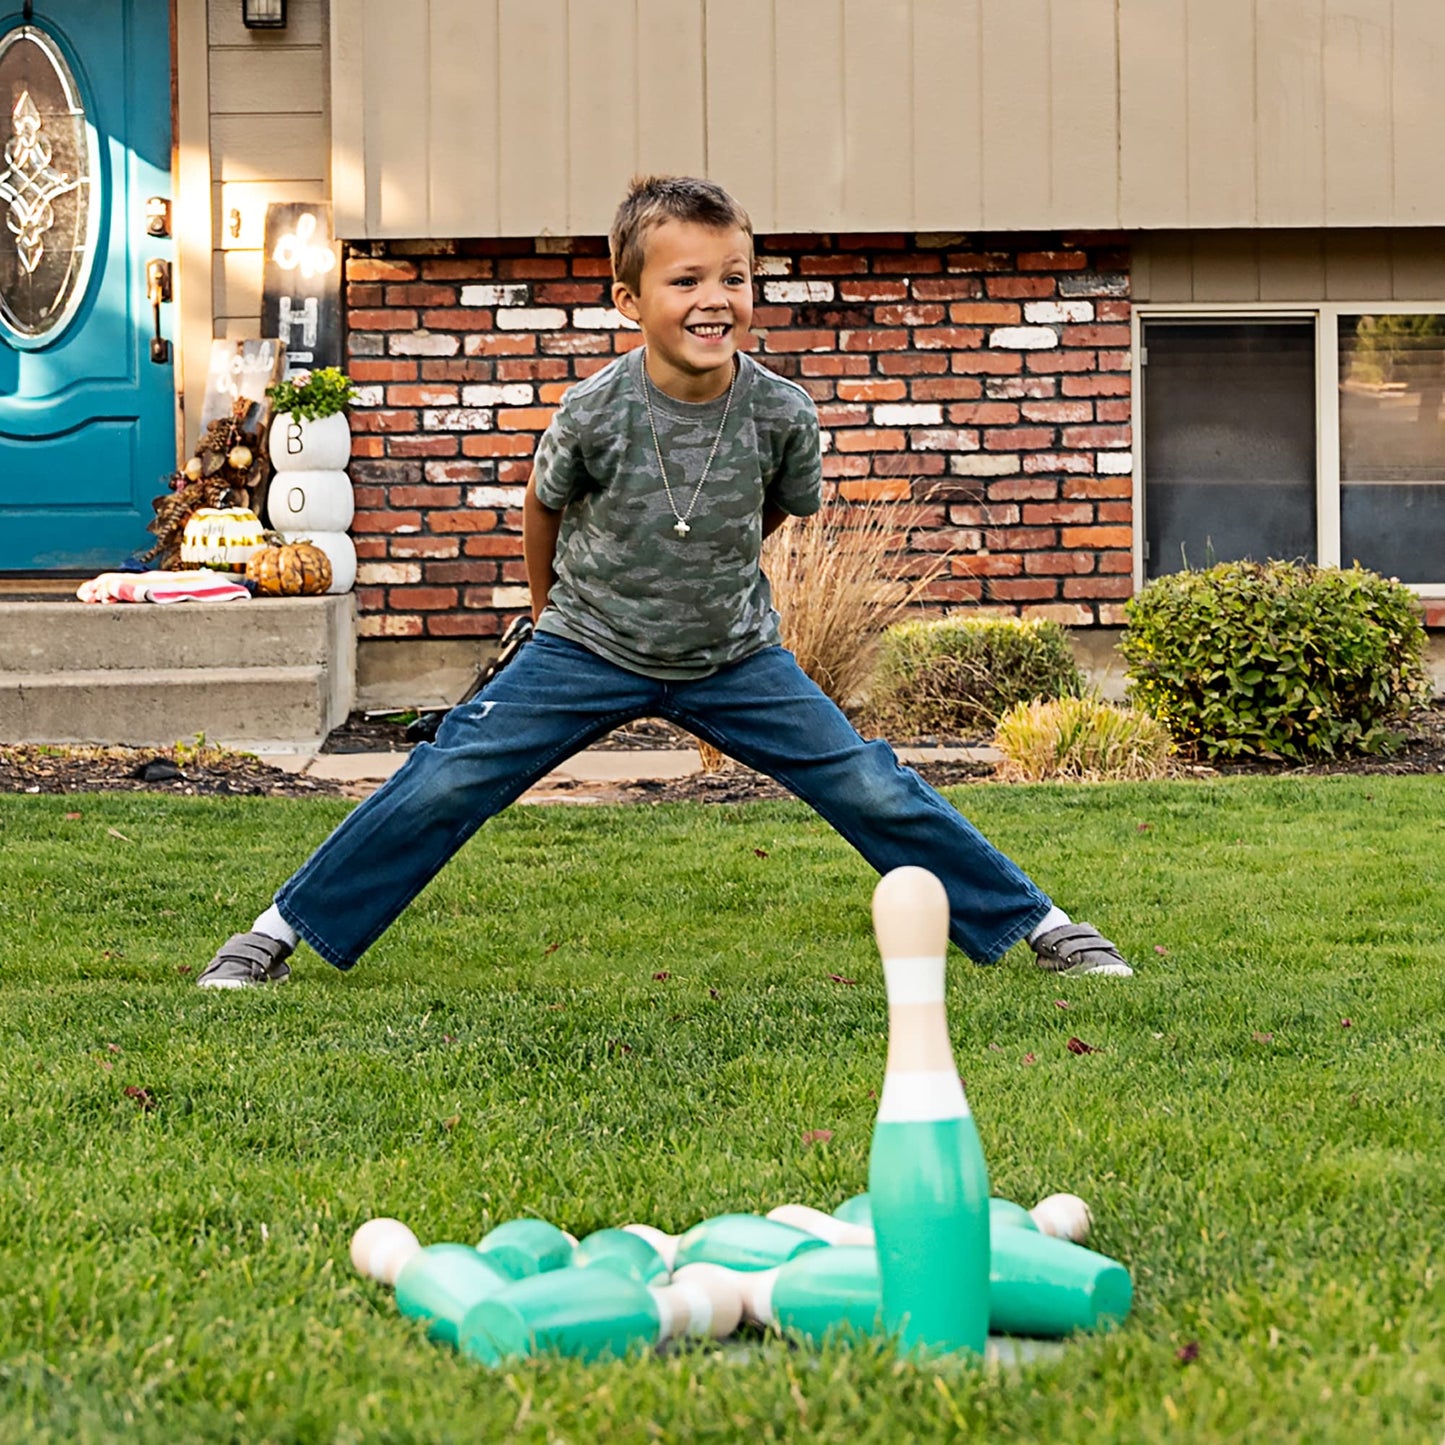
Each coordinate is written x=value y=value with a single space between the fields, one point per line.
x=293 y=569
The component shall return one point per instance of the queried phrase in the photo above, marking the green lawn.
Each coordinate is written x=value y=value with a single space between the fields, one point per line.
x=1261 y=1132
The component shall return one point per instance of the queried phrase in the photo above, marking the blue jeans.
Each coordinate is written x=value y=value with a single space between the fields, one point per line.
x=557 y=697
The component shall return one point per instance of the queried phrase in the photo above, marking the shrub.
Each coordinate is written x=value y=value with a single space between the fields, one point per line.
x=1276 y=659
x=1080 y=738
x=959 y=674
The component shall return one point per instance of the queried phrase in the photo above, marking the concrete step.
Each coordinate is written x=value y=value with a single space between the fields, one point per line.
x=269 y=675
x=63 y=636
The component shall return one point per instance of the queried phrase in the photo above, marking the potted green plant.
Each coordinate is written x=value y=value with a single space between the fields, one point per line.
x=310 y=431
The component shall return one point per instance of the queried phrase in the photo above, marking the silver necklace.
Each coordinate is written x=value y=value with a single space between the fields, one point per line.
x=681 y=525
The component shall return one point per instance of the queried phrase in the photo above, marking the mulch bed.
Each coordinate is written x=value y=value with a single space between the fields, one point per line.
x=32 y=768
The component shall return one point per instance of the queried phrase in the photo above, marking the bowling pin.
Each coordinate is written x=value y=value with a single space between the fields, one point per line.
x=527 y=1246
x=743 y=1241
x=664 y=1244
x=623 y=1252
x=440 y=1283
x=857 y=1210
x=926 y=1173
x=586 y=1313
x=380 y=1248
x=825 y=1226
x=1037 y=1286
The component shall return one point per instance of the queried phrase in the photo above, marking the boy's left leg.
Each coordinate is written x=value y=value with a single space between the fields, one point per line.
x=766 y=712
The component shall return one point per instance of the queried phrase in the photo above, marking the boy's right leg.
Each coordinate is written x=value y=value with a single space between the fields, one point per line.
x=553 y=700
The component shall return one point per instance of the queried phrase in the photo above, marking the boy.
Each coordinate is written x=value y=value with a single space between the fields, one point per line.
x=650 y=496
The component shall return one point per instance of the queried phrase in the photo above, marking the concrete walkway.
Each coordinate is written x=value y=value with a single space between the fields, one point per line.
x=362 y=773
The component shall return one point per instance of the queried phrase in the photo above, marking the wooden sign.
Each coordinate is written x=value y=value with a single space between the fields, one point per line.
x=241 y=368
x=301 y=284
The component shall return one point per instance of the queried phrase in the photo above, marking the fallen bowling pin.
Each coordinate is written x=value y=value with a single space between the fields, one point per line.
x=527 y=1246
x=826 y=1227
x=665 y=1244
x=441 y=1283
x=1002 y=1214
x=624 y=1252
x=590 y=1313
x=927 y=1177
x=380 y=1247
x=1065 y=1216
x=743 y=1241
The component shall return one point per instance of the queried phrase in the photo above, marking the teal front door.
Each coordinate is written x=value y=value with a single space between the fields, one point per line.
x=87 y=404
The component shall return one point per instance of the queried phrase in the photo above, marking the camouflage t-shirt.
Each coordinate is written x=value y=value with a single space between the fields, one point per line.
x=628 y=586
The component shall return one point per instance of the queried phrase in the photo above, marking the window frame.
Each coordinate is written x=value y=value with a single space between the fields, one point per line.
x=1326 y=318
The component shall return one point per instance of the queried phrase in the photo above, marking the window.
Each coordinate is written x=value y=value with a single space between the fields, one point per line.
x=1317 y=434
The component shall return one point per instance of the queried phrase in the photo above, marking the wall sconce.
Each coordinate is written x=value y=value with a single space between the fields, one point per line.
x=264 y=14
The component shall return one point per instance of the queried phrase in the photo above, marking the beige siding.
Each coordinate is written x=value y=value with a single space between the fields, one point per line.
x=269 y=141
x=1237 y=267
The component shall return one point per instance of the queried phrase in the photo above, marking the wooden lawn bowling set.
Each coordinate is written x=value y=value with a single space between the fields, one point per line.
x=926 y=1257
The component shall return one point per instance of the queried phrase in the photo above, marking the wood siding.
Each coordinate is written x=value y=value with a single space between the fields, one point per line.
x=269 y=141
x=526 y=117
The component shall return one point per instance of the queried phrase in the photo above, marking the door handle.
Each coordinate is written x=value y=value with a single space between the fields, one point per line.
x=158 y=291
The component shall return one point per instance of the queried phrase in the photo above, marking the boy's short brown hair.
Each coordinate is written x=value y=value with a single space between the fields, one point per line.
x=651 y=200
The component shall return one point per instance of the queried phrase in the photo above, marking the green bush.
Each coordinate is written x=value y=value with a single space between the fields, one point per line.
x=959 y=674
x=1276 y=659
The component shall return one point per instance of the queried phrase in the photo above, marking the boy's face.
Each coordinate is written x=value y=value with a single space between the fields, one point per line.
x=694 y=304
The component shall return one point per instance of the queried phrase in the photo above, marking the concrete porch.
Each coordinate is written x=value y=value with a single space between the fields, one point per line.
x=271 y=674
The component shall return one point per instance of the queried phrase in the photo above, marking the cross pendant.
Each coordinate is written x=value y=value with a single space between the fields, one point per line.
x=682 y=529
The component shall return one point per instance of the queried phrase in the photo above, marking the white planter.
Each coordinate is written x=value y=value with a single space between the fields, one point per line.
x=340 y=552
x=310 y=501
x=310 y=446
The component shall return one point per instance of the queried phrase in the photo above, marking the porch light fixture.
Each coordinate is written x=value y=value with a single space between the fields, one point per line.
x=264 y=14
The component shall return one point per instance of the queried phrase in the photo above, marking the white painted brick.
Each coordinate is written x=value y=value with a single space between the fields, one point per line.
x=985 y=464
x=597 y=318
x=556 y=245
x=458 y=418
x=381 y=624
x=511 y=597
x=532 y=318
x=1115 y=463
x=1023 y=338
x=788 y=292
x=825 y=442
x=915 y=414
x=368 y=396
x=422 y=343
x=496 y=496
x=775 y=266
x=515 y=294
x=515 y=393
x=945 y=439
x=388 y=574
x=1056 y=313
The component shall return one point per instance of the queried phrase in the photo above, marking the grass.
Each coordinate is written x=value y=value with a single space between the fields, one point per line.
x=175 y=1261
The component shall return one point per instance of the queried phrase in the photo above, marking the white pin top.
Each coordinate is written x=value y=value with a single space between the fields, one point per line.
x=664 y=1244
x=380 y=1248
x=910 y=915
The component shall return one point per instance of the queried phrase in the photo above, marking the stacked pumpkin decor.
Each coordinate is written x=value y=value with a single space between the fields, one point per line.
x=310 y=498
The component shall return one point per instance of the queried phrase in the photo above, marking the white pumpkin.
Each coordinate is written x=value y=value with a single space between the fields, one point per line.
x=222 y=538
x=323 y=445
x=310 y=501
x=340 y=552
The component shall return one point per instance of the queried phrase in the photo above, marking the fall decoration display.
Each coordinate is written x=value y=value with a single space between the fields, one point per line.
x=222 y=538
x=289 y=569
x=227 y=470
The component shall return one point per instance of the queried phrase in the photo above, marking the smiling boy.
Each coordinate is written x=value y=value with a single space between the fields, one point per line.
x=651 y=493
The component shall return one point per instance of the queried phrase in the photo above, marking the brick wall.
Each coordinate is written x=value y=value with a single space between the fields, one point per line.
x=983 y=381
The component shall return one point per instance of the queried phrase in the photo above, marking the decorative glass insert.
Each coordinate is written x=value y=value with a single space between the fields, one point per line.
x=47 y=190
x=1392 y=445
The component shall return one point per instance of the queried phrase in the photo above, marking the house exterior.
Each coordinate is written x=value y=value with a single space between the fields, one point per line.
x=1093 y=289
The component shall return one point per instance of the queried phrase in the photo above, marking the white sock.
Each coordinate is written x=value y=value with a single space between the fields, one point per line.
x=1054 y=918
x=274 y=926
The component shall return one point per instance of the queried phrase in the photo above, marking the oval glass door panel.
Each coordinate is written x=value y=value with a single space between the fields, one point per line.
x=47 y=189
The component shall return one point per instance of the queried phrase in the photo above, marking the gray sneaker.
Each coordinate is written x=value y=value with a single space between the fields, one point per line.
x=1079 y=948
x=245 y=960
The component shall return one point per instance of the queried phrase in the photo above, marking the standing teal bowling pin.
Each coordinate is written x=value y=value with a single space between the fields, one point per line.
x=926 y=1174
